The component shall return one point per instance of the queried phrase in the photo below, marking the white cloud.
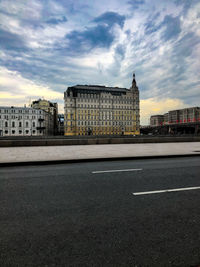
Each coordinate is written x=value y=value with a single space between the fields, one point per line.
x=155 y=106
x=16 y=89
x=192 y=20
x=23 y=9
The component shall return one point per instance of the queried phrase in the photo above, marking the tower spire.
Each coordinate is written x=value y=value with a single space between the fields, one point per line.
x=134 y=81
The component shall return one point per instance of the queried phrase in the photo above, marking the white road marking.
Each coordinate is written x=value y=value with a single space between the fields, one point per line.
x=125 y=170
x=166 y=191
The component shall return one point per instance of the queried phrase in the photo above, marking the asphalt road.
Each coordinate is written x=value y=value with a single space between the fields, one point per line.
x=78 y=215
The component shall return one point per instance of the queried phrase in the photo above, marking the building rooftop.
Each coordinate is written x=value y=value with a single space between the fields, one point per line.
x=51 y=104
x=16 y=107
x=98 y=88
x=27 y=108
x=159 y=115
x=183 y=109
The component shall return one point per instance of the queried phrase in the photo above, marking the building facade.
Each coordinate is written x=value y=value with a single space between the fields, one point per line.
x=23 y=121
x=179 y=116
x=50 y=107
x=101 y=110
x=185 y=115
x=156 y=120
x=60 y=124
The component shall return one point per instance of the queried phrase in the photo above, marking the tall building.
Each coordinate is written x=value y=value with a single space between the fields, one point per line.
x=23 y=121
x=101 y=110
x=48 y=107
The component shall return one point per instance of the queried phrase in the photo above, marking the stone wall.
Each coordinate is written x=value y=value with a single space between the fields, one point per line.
x=93 y=141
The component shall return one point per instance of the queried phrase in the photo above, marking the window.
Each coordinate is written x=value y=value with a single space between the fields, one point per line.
x=13 y=124
x=6 y=131
x=27 y=131
x=20 y=124
x=13 y=131
x=6 y=124
x=20 y=131
x=33 y=123
x=26 y=123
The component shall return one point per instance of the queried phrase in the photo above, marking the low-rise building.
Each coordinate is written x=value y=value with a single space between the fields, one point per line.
x=48 y=107
x=156 y=120
x=25 y=121
x=185 y=115
x=166 y=118
x=178 y=116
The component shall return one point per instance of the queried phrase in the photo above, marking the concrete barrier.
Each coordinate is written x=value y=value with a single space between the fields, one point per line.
x=95 y=140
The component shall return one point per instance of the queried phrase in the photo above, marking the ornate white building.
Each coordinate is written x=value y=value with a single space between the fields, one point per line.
x=24 y=121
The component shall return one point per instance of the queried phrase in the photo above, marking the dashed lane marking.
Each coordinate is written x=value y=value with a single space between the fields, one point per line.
x=125 y=170
x=166 y=191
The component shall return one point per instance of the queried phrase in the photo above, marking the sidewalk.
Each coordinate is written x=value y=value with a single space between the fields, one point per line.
x=57 y=154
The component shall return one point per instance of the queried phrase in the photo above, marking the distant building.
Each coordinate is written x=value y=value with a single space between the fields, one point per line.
x=166 y=118
x=179 y=116
x=101 y=110
x=48 y=107
x=23 y=121
x=60 y=124
x=156 y=120
x=186 y=115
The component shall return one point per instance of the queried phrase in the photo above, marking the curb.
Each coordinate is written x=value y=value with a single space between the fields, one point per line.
x=49 y=162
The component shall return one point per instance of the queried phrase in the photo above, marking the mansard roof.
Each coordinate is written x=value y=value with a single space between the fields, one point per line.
x=98 y=88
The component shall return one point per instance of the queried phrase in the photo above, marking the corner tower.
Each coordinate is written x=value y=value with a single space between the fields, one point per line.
x=136 y=104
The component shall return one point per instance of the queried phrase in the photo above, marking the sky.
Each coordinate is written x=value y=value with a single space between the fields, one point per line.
x=48 y=45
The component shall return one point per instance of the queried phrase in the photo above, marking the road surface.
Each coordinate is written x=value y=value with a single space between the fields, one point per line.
x=116 y=213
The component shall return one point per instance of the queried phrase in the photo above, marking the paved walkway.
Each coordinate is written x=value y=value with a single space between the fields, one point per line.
x=84 y=152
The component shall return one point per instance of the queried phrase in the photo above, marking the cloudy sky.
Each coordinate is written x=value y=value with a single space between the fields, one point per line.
x=48 y=45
